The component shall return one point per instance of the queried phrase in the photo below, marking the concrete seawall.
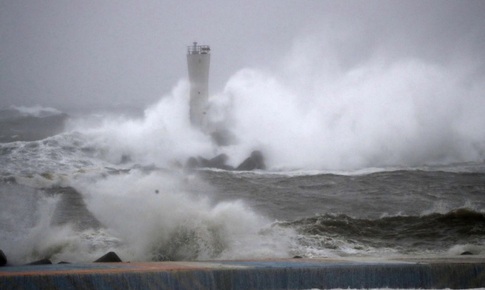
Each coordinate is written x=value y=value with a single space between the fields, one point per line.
x=254 y=274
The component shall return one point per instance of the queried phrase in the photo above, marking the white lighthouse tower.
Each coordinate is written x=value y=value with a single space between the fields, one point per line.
x=198 y=61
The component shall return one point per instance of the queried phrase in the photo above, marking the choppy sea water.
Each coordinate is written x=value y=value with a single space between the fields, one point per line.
x=60 y=202
x=71 y=197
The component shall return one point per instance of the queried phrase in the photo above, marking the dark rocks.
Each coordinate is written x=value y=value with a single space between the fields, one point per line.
x=40 y=262
x=218 y=162
x=71 y=209
x=255 y=161
x=110 y=257
x=192 y=163
x=3 y=259
x=466 y=253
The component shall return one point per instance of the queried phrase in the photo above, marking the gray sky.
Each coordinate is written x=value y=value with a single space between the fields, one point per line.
x=105 y=54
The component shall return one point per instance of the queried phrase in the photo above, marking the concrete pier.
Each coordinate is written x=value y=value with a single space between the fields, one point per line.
x=458 y=272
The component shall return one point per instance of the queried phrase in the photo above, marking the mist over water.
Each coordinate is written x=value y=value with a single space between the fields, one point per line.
x=314 y=111
x=315 y=114
x=163 y=136
x=167 y=217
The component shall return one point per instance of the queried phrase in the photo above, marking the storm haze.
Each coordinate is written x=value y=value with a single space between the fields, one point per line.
x=104 y=54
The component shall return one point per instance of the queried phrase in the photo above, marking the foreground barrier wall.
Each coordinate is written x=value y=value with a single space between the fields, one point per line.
x=277 y=274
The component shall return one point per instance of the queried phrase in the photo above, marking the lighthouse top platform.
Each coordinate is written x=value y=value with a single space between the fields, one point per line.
x=198 y=49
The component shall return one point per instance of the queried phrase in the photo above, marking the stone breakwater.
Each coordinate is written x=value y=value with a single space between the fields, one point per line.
x=462 y=272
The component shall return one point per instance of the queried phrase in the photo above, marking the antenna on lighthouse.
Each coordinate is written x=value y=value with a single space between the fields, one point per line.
x=198 y=62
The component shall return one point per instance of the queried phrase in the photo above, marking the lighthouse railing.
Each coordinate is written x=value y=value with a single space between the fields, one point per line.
x=198 y=49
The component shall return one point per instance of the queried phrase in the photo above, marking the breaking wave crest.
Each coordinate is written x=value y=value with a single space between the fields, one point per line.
x=434 y=232
x=160 y=217
x=141 y=216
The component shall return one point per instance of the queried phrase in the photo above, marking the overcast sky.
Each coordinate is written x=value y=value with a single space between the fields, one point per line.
x=104 y=54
